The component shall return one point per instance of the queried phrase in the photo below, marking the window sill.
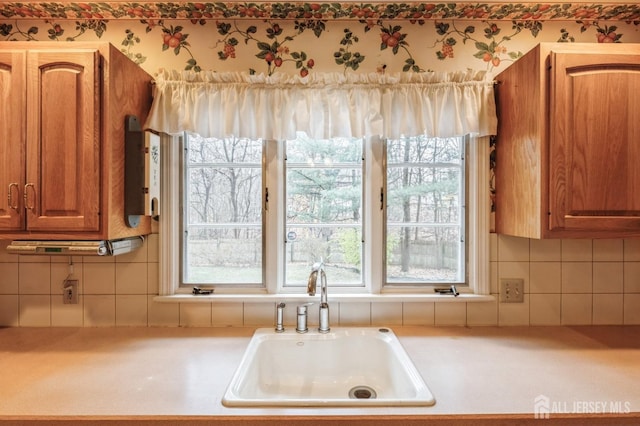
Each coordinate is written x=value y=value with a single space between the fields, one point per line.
x=338 y=298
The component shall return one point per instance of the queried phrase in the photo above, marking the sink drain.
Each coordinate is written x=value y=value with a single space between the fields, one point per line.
x=362 y=392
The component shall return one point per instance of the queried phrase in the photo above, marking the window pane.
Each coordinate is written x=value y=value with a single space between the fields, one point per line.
x=423 y=254
x=340 y=248
x=224 y=256
x=222 y=216
x=324 y=209
x=425 y=210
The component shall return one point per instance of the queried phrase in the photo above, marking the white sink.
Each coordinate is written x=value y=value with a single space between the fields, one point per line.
x=349 y=366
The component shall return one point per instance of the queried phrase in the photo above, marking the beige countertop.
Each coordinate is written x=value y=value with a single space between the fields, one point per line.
x=163 y=375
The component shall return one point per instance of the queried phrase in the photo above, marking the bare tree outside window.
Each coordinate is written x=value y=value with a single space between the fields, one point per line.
x=222 y=215
x=425 y=210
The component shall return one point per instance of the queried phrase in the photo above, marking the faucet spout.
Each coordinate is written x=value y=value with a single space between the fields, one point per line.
x=311 y=284
x=318 y=268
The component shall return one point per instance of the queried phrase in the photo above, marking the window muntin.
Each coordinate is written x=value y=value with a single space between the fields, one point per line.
x=222 y=211
x=323 y=219
x=425 y=217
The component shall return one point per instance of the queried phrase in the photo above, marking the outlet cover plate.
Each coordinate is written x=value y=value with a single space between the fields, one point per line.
x=70 y=292
x=511 y=290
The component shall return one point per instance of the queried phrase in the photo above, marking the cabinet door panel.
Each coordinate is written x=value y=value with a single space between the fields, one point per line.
x=12 y=139
x=594 y=141
x=63 y=141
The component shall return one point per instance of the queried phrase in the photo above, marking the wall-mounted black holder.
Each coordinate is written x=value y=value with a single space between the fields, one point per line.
x=134 y=169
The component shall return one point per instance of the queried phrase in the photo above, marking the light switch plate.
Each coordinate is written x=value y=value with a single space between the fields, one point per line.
x=511 y=290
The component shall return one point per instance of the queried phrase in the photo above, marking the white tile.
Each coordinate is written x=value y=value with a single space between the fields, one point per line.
x=493 y=277
x=34 y=278
x=453 y=313
x=631 y=277
x=514 y=270
x=545 y=250
x=195 y=314
x=153 y=278
x=493 y=247
x=482 y=313
x=577 y=250
x=137 y=256
x=514 y=313
x=6 y=257
x=545 y=277
x=386 y=313
x=418 y=313
x=577 y=277
x=355 y=313
x=99 y=278
x=608 y=277
x=99 y=259
x=60 y=272
x=35 y=310
x=544 y=309
x=607 y=309
x=131 y=278
x=9 y=310
x=263 y=314
x=99 y=310
x=153 y=248
x=577 y=309
x=608 y=250
x=229 y=314
x=131 y=310
x=162 y=314
x=9 y=281
x=632 y=309
x=513 y=249
x=632 y=250
x=34 y=259
x=66 y=315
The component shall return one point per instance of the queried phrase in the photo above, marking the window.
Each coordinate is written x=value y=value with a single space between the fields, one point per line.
x=222 y=216
x=323 y=209
x=425 y=210
x=385 y=216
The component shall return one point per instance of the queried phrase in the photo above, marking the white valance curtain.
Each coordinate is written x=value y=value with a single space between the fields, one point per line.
x=323 y=105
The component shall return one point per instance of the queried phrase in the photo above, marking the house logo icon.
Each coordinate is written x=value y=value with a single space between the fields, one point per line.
x=541 y=407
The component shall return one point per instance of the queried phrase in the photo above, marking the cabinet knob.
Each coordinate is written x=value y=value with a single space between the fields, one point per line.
x=31 y=207
x=10 y=198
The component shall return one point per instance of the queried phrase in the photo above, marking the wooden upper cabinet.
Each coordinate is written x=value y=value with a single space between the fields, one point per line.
x=568 y=145
x=62 y=190
x=62 y=139
x=12 y=138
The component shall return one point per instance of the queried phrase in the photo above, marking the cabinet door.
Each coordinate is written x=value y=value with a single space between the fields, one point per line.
x=594 y=151
x=62 y=189
x=12 y=138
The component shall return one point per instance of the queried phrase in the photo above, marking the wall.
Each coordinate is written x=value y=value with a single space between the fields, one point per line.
x=566 y=282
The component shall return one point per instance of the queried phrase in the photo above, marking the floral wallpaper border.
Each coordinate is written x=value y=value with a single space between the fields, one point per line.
x=413 y=11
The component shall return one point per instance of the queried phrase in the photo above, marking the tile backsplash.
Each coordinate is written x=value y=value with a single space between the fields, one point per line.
x=566 y=282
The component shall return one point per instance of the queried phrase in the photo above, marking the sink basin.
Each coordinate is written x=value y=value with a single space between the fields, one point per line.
x=349 y=366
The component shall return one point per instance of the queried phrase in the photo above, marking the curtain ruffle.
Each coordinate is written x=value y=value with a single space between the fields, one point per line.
x=323 y=105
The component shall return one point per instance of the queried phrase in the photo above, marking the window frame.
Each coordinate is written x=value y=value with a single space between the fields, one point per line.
x=273 y=233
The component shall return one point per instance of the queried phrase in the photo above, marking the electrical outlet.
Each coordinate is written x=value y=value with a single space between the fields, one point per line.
x=511 y=290
x=70 y=292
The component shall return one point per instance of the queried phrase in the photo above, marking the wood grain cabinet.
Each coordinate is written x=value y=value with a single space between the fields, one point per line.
x=568 y=145
x=62 y=127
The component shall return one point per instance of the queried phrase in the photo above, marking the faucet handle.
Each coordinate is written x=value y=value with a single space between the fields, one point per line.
x=301 y=323
x=280 y=317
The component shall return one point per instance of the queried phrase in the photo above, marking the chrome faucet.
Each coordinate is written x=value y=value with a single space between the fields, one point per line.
x=318 y=268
